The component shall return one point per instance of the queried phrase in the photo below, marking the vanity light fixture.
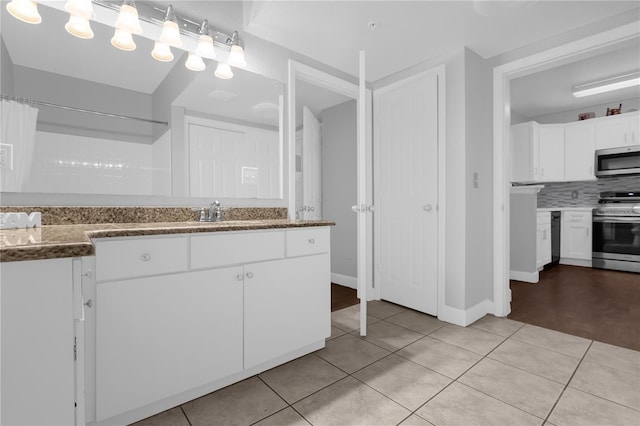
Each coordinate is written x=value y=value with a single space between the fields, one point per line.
x=607 y=85
x=205 y=42
x=25 y=10
x=80 y=12
x=170 y=34
x=162 y=52
x=128 y=18
x=223 y=71
x=123 y=40
x=236 y=56
x=194 y=62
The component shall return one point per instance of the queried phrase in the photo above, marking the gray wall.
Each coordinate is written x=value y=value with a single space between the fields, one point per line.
x=6 y=71
x=523 y=232
x=479 y=179
x=62 y=90
x=339 y=191
x=600 y=110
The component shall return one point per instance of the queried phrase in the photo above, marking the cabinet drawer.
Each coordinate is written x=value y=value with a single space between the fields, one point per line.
x=116 y=259
x=233 y=248
x=302 y=242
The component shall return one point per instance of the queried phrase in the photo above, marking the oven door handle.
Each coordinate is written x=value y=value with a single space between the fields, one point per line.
x=618 y=219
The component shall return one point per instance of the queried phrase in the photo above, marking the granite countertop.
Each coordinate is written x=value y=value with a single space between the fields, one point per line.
x=57 y=241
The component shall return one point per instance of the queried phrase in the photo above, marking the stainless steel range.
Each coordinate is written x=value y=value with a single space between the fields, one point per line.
x=616 y=231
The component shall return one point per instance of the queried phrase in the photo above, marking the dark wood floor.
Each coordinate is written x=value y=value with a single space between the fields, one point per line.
x=593 y=303
x=342 y=297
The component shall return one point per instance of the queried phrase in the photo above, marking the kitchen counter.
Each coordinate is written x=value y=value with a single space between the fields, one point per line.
x=58 y=241
x=564 y=209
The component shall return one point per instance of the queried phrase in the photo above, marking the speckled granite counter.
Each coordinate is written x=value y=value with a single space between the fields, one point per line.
x=56 y=241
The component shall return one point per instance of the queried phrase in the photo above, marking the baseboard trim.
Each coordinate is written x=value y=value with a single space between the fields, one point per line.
x=576 y=262
x=345 y=280
x=465 y=317
x=527 y=277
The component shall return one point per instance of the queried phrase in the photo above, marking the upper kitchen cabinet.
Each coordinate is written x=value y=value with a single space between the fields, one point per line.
x=579 y=149
x=551 y=152
x=524 y=152
x=618 y=131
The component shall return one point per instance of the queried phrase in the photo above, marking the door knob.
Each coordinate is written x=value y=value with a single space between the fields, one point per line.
x=249 y=275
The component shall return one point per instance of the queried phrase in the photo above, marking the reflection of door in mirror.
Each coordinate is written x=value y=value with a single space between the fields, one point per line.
x=309 y=175
x=232 y=161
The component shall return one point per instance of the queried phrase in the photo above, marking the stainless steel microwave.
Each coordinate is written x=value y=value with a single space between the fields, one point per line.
x=618 y=161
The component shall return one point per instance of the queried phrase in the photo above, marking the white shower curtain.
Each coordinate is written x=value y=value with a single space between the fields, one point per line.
x=17 y=139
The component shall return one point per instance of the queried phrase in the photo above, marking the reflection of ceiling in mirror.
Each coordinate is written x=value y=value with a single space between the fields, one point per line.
x=50 y=48
x=316 y=98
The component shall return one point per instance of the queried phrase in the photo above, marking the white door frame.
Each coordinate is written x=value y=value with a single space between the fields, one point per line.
x=502 y=76
x=305 y=73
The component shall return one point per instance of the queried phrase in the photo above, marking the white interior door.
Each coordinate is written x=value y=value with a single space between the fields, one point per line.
x=406 y=181
x=311 y=166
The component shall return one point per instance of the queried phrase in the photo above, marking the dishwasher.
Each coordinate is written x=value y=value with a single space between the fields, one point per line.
x=555 y=239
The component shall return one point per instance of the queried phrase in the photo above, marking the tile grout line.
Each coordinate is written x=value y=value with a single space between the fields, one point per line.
x=555 y=404
x=184 y=413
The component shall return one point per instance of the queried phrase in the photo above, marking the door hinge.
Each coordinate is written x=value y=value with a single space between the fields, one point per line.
x=75 y=349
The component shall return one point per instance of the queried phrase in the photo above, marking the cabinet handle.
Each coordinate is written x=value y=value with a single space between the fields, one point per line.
x=88 y=303
x=312 y=241
x=145 y=257
x=240 y=277
x=249 y=275
x=87 y=274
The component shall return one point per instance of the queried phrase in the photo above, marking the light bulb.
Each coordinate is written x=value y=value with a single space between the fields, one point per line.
x=205 y=47
x=25 y=10
x=79 y=27
x=170 y=34
x=123 y=40
x=162 y=52
x=223 y=71
x=236 y=56
x=194 y=62
x=128 y=18
x=81 y=8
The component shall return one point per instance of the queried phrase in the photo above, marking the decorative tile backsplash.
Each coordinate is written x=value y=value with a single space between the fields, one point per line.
x=584 y=194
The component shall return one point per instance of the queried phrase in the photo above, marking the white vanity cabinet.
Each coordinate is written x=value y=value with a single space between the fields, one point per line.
x=576 y=237
x=42 y=342
x=220 y=307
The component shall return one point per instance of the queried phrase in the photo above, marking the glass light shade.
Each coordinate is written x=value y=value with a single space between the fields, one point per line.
x=128 y=19
x=162 y=52
x=194 y=62
x=236 y=56
x=170 y=34
x=205 y=47
x=79 y=26
x=25 y=10
x=80 y=8
x=223 y=71
x=123 y=40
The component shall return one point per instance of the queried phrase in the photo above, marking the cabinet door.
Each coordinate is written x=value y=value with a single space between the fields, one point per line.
x=551 y=153
x=160 y=336
x=612 y=132
x=286 y=306
x=37 y=343
x=579 y=150
x=633 y=127
x=576 y=235
x=524 y=152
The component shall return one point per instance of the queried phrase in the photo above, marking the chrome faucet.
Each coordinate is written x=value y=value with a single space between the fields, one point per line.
x=211 y=214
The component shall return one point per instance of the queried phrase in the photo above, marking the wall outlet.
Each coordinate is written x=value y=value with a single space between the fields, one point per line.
x=475 y=180
x=574 y=195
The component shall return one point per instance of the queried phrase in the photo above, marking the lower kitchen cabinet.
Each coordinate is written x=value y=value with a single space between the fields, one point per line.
x=39 y=347
x=543 y=240
x=576 y=238
x=160 y=336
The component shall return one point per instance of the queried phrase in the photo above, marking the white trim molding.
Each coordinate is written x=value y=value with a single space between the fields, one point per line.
x=344 y=280
x=527 y=277
x=465 y=317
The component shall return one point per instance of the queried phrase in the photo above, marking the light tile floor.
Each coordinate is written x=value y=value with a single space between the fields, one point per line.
x=412 y=369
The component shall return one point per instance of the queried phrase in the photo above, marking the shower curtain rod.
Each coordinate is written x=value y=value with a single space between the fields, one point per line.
x=47 y=104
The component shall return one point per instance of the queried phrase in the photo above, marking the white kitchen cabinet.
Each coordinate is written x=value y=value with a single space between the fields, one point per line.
x=524 y=152
x=39 y=351
x=576 y=237
x=617 y=131
x=551 y=153
x=248 y=301
x=579 y=151
x=163 y=335
x=543 y=239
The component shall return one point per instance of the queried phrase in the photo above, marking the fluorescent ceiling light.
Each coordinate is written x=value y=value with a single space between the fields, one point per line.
x=607 y=85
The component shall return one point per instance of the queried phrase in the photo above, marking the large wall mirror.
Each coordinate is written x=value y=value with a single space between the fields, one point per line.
x=201 y=137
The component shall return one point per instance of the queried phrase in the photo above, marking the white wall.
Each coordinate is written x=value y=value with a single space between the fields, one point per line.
x=161 y=165
x=339 y=187
x=76 y=164
x=572 y=115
